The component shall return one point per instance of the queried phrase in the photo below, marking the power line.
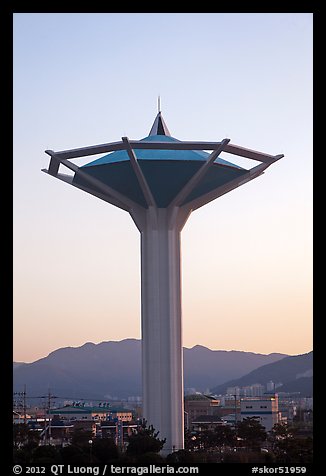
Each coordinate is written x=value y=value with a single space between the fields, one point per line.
x=21 y=394
x=71 y=398
x=49 y=398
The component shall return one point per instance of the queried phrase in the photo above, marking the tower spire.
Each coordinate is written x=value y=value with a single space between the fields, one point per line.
x=159 y=128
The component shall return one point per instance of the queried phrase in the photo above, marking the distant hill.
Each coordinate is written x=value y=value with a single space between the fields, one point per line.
x=303 y=385
x=202 y=365
x=17 y=364
x=113 y=369
x=100 y=370
x=293 y=372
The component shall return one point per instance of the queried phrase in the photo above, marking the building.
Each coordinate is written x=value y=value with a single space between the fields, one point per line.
x=270 y=386
x=229 y=405
x=264 y=408
x=71 y=412
x=306 y=403
x=231 y=418
x=197 y=406
x=206 y=422
x=233 y=391
x=253 y=390
x=57 y=432
x=118 y=430
x=190 y=391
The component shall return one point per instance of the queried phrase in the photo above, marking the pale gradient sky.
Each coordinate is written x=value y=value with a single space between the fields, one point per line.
x=84 y=79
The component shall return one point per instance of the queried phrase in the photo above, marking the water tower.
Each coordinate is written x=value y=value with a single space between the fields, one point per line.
x=159 y=181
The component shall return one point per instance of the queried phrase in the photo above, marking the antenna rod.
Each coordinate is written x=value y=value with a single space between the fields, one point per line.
x=159 y=104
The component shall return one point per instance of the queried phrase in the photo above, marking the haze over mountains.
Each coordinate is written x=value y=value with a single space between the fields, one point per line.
x=294 y=373
x=203 y=367
x=113 y=369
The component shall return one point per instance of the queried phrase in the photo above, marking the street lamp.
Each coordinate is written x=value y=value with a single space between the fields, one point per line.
x=90 y=442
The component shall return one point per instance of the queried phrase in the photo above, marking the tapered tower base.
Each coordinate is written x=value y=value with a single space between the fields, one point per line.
x=162 y=358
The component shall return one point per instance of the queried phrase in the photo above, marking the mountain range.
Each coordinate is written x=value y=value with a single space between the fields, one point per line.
x=113 y=370
x=291 y=374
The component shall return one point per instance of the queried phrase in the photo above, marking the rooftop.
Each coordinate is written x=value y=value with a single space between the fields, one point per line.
x=166 y=171
x=86 y=410
x=207 y=419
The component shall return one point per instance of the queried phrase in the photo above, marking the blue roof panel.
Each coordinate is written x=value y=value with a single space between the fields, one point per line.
x=156 y=154
x=165 y=178
x=166 y=171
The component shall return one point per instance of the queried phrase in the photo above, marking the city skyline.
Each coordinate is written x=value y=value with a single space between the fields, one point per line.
x=247 y=257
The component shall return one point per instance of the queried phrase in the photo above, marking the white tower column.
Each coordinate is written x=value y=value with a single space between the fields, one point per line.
x=162 y=357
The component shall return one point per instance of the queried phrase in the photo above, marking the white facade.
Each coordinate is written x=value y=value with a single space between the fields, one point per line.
x=264 y=408
x=233 y=391
x=270 y=386
x=307 y=403
x=254 y=390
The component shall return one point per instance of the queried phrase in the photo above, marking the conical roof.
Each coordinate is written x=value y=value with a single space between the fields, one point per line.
x=158 y=133
x=159 y=128
x=166 y=171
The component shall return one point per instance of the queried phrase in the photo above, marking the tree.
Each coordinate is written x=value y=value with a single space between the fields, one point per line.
x=221 y=436
x=289 y=448
x=205 y=439
x=224 y=436
x=105 y=450
x=25 y=441
x=144 y=441
x=80 y=437
x=280 y=431
x=181 y=457
x=294 y=450
x=187 y=457
x=74 y=454
x=23 y=435
x=46 y=455
x=252 y=457
x=190 y=440
x=252 y=432
x=150 y=458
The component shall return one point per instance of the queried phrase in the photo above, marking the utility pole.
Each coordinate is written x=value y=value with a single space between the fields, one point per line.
x=19 y=404
x=44 y=438
x=47 y=408
x=235 y=413
x=24 y=404
x=119 y=433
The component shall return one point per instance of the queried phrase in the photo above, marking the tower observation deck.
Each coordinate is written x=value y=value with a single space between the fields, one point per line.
x=159 y=180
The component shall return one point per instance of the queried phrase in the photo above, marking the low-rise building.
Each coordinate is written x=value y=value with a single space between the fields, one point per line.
x=57 y=432
x=207 y=422
x=71 y=412
x=264 y=408
x=118 y=430
x=198 y=405
x=229 y=405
